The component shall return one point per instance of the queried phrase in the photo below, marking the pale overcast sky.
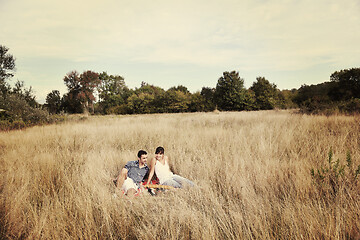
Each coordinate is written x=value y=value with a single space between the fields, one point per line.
x=168 y=43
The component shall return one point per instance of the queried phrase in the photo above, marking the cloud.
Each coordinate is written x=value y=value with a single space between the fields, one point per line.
x=202 y=32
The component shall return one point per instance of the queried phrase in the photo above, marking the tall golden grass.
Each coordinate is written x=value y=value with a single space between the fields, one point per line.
x=252 y=170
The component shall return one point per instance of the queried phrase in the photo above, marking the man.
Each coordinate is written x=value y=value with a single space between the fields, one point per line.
x=133 y=174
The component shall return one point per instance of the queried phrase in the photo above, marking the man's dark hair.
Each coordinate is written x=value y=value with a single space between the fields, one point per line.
x=141 y=152
x=159 y=150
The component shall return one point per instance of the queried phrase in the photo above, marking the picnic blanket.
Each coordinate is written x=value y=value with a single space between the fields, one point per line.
x=153 y=188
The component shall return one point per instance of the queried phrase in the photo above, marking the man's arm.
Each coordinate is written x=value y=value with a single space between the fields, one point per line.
x=152 y=170
x=121 y=178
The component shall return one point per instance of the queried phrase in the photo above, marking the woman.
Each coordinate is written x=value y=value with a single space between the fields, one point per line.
x=160 y=165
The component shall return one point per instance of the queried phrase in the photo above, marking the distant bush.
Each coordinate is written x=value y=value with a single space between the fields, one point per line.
x=57 y=118
x=121 y=109
x=313 y=106
x=6 y=125
x=18 y=109
x=351 y=106
x=16 y=113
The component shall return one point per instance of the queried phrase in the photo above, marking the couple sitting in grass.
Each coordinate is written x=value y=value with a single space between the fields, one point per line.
x=134 y=172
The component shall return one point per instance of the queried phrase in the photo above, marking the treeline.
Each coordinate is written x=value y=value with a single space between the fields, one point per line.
x=340 y=95
x=18 y=107
x=116 y=98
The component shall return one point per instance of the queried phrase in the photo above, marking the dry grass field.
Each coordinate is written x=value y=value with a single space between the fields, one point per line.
x=252 y=170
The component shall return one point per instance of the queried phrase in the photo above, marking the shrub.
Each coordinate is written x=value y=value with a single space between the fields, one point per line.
x=331 y=179
x=6 y=125
x=18 y=113
x=351 y=106
x=19 y=124
x=121 y=109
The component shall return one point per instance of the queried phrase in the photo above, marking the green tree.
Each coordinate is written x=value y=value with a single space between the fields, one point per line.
x=71 y=103
x=176 y=101
x=180 y=88
x=250 y=100
x=20 y=106
x=111 y=85
x=208 y=95
x=147 y=99
x=159 y=102
x=7 y=68
x=53 y=101
x=266 y=93
x=315 y=98
x=7 y=64
x=112 y=92
x=18 y=103
x=314 y=93
x=287 y=98
x=26 y=93
x=141 y=103
x=348 y=84
x=197 y=102
x=230 y=93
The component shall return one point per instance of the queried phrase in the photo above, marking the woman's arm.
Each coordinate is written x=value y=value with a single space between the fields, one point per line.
x=152 y=170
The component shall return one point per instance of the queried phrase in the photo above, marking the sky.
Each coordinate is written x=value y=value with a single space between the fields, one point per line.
x=189 y=42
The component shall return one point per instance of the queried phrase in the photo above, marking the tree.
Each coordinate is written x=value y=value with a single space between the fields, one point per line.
x=81 y=88
x=141 y=103
x=26 y=94
x=20 y=106
x=17 y=102
x=176 y=101
x=71 y=104
x=112 y=92
x=315 y=98
x=266 y=93
x=71 y=101
x=111 y=85
x=197 y=103
x=314 y=93
x=88 y=81
x=230 y=92
x=180 y=88
x=157 y=103
x=209 y=101
x=53 y=101
x=250 y=100
x=287 y=98
x=147 y=99
x=348 y=84
x=7 y=68
x=7 y=64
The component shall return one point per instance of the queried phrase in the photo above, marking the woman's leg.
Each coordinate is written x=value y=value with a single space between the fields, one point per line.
x=183 y=180
x=173 y=183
